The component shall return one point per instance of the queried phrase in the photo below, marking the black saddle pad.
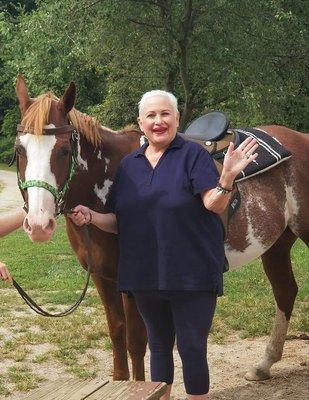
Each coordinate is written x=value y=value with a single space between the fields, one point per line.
x=270 y=152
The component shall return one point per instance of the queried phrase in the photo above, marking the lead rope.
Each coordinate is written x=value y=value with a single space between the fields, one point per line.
x=39 y=310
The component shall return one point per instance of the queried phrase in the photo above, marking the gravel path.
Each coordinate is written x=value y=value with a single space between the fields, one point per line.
x=10 y=197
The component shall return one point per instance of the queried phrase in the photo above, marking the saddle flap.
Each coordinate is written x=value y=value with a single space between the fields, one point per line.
x=209 y=127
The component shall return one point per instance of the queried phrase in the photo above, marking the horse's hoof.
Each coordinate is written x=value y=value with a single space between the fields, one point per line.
x=257 y=374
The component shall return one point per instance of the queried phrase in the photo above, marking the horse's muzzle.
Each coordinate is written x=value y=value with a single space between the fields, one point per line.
x=39 y=231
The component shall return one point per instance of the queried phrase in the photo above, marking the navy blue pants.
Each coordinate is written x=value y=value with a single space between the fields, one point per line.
x=188 y=316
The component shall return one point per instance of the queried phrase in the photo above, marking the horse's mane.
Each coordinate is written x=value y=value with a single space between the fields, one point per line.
x=36 y=117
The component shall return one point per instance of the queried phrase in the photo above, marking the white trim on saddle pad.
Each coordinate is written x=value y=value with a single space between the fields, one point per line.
x=275 y=155
x=262 y=170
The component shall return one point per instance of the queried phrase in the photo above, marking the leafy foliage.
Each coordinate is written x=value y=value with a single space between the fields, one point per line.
x=249 y=59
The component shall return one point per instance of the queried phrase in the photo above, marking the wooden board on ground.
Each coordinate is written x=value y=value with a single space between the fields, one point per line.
x=123 y=390
x=95 y=389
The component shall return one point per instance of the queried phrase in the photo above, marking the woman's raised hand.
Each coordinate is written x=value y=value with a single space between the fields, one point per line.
x=236 y=160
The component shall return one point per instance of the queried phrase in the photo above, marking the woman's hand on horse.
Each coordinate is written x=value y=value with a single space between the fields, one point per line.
x=236 y=160
x=4 y=273
x=81 y=215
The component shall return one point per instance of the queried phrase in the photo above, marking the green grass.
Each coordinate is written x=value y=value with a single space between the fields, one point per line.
x=6 y=167
x=22 y=378
x=248 y=304
x=54 y=278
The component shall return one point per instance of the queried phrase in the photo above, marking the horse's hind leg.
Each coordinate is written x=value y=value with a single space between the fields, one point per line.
x=277 y=265
x=136 y=337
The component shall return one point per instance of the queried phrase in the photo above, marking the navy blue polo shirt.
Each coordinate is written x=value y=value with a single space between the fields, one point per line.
x=168 y=240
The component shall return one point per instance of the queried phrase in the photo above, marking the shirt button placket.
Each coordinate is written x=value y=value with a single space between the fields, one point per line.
x=151 y=177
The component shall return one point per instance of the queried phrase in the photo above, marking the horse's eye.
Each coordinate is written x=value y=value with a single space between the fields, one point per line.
x=20 y=150
x=64 y=152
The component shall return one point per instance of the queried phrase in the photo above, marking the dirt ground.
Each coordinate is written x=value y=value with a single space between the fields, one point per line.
x=228 y=365
x=10 y=197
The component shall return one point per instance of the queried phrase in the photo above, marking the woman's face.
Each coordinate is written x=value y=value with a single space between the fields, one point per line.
x=159 y=121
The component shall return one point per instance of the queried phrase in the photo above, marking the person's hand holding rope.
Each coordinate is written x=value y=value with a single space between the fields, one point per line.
x=4 y=273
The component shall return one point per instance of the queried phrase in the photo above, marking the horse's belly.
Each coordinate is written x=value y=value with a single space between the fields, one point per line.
x=255 y=249
x=258 y=223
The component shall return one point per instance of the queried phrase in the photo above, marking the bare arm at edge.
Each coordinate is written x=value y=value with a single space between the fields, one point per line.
x=11 y=221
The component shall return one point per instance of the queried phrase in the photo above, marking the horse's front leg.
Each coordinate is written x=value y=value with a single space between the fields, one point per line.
x=136 y=337
x=277 y=265
x=112 y=302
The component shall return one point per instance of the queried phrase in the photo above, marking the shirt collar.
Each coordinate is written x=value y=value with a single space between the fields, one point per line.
x=176 y=143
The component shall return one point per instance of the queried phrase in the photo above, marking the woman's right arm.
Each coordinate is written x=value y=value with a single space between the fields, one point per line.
x=11 y=221
x=82 y=215
x=8 y=224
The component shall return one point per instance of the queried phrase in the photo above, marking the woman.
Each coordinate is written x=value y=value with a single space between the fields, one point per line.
x=8 y=224
x=164 y=204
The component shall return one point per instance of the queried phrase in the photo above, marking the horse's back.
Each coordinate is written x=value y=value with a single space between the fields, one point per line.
x=272 y=201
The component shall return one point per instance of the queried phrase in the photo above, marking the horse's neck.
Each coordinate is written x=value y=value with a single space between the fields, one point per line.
x=112 y=148
x=97 y=166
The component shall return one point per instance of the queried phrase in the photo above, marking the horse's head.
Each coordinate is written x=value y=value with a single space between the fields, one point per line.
x=44 y=156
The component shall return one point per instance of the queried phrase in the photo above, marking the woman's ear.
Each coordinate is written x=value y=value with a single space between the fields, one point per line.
x=140 y=124
x=178 y=118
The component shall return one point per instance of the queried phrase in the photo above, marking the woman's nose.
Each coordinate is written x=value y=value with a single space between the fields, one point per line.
x=158 y=120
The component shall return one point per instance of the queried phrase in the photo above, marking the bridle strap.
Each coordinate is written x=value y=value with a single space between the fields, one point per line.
x=38 y=309
x=48 y=131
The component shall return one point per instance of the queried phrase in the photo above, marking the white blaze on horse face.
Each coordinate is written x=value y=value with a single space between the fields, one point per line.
x=41 y=203
x=102 y=193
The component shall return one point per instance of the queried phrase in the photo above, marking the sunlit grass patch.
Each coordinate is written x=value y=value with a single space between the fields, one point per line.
x=41 y=358
x=14 y=350
x=3 y=388
x=83 y=372
x=22 y=378
x=107 y=344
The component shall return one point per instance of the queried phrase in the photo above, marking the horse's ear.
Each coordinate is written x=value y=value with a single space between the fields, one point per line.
x=22 y=94
x=68 y=99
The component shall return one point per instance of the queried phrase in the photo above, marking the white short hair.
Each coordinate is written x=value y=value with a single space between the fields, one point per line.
x=153 y=93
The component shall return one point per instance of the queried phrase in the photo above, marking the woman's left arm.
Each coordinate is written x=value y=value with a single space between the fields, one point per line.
x=235 y=160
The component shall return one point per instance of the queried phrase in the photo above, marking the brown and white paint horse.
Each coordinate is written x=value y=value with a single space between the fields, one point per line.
x=272 y=215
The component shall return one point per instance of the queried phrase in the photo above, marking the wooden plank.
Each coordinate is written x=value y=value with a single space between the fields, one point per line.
x=124 y=390
x=67 y=389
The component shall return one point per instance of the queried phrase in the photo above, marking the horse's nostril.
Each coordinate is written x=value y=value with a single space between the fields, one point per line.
x=27 y=227
x=51 y=225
